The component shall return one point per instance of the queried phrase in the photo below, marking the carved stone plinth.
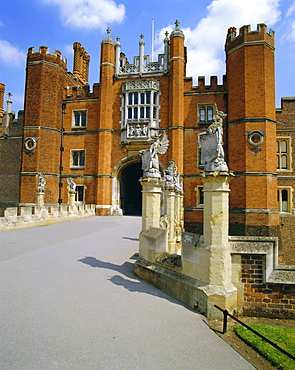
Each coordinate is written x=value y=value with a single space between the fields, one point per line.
x=72 y=201
x=40 y=197
x=214 y=254
x=170 y=213
x=151 y=201
x=153 y=238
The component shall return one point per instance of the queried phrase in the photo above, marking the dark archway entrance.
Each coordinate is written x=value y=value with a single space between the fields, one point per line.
x=130 y=189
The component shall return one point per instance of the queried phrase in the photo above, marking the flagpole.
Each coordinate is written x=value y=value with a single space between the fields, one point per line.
x=153 y=32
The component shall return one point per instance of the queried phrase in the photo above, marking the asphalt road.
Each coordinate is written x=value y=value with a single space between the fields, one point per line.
x=69 y=300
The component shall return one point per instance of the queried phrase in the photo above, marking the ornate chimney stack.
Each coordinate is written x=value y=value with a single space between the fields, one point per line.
x=2 y=91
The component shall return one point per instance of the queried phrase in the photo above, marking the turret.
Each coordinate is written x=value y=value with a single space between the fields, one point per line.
x=252 y=130
x=46 y=78
x=176 y=98
x=105 y=120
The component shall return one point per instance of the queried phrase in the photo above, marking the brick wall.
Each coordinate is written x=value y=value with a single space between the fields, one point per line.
x=262 y=299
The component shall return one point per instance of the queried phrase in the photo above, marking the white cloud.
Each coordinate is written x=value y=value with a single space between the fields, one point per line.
x=91 y=14
x=10 y=54
x=291 y=10
x=291 y=32
x=206 y=41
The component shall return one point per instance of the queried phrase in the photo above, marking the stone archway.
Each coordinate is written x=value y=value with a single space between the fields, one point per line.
x=126 y=189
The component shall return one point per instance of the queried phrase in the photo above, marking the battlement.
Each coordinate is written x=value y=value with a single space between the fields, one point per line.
x=44 y=55
x=77 y=92
x=246 y=36
x=213 y=84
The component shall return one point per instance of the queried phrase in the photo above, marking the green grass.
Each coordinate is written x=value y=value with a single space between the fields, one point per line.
x=281 y=336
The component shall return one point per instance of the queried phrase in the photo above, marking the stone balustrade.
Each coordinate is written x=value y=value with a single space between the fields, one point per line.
x=30 y=216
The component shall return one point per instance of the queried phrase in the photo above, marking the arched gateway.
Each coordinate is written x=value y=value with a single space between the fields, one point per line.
x=126 y=189
x=130 y=189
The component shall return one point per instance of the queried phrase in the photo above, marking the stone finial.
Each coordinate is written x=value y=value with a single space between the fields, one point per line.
x=108 y=39
x=118 y=41
x=141 y=42
x=177 y=31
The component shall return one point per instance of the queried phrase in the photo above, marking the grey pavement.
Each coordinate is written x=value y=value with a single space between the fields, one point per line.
x=69 y=300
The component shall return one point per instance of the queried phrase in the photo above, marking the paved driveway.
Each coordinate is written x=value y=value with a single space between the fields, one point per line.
x=69 y=300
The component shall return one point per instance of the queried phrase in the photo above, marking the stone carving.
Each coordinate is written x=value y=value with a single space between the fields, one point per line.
x=72 y=185
x=141 y=85
x=137 y=130
x=150 y=160
x=210 y=142
x=172 y=177
x=41 y=182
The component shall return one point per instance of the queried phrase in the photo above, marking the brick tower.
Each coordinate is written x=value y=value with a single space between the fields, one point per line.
x=176 y=96
x=105 y=119
x=252 y=131
x=45 y=81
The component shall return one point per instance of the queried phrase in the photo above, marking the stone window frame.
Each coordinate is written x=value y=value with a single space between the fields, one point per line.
x=199 y=196
x=72 y=153
x=206 y=108
x=138 y=115
x=285 y=205
x=287 y=154
x=79 y=113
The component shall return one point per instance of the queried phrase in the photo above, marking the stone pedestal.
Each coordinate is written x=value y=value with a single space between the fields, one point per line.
x=179 y=222
x=40 y=197
x=170 y=213
x=215 y=256
x=72 y=201
x=151 y=201
x=152 y=239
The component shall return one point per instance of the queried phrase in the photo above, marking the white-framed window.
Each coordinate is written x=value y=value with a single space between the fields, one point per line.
x=285 y=199
x=78 y=158
x=206 y=112
x=199 y=196
x=140 y=109
x=79 y=119
x=80 y=194
x=284 y=153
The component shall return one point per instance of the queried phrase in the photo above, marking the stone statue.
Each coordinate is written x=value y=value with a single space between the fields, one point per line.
x=210 y=142
x=72 y=184
x=169 y=175
x=150 y=160
x=41 y=182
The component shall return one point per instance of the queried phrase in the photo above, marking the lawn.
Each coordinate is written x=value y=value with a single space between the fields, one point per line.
x=283 y=337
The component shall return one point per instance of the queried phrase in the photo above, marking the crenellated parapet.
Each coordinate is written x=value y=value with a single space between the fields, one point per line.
x=78 y=92
x=213 y=86
x=247 y=36
x=44 y=55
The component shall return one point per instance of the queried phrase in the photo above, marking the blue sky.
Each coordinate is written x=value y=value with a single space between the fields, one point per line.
x=59 y=23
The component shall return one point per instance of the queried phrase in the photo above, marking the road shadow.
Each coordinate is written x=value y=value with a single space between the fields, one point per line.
x=136 y=285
